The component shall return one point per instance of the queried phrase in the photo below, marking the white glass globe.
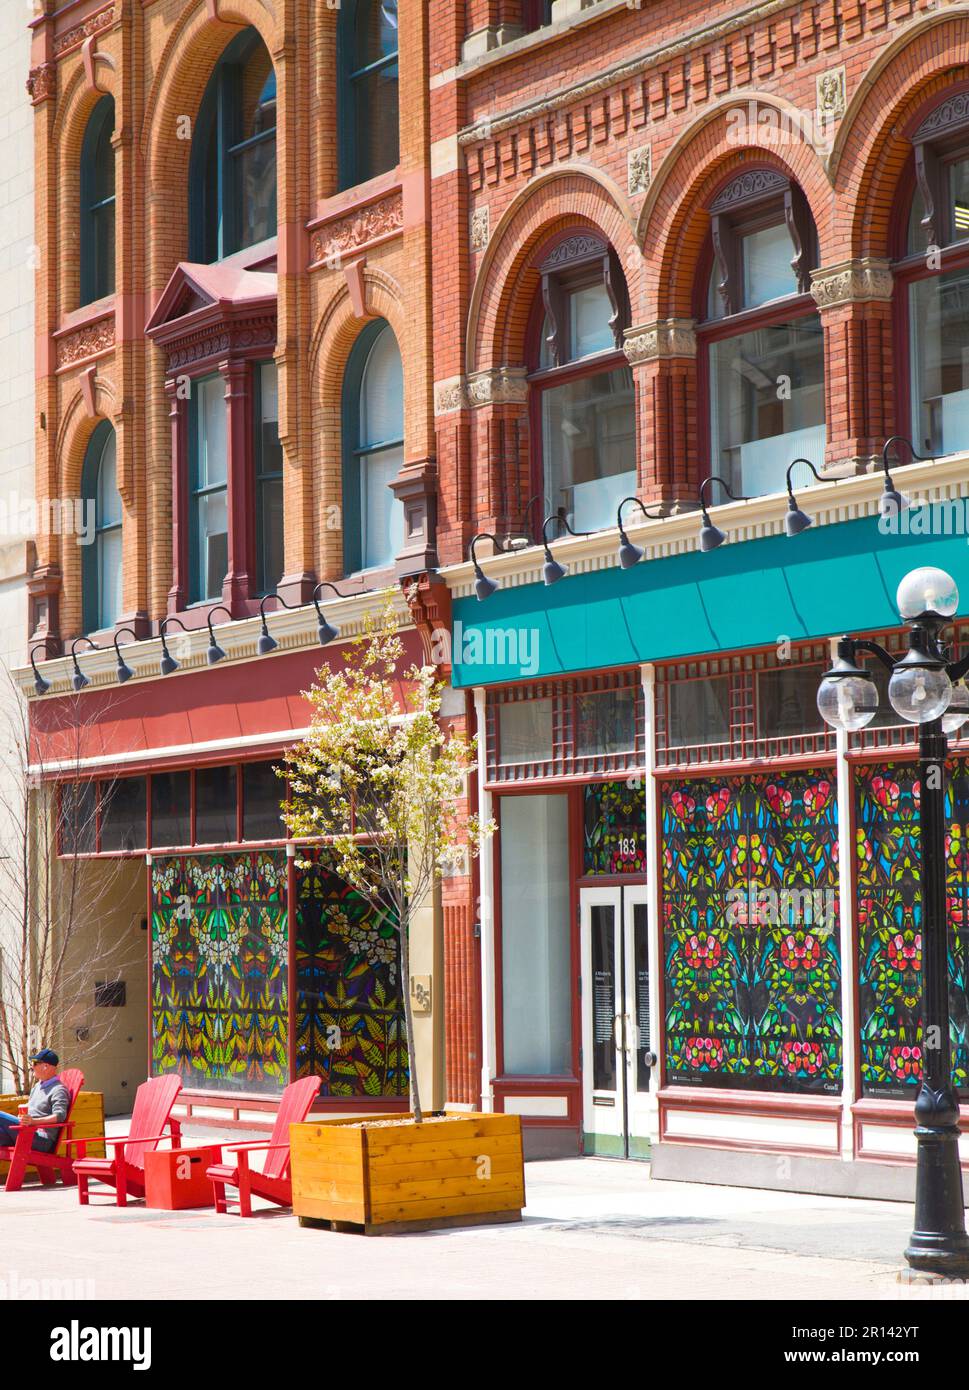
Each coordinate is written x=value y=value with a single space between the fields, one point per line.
x=927 y=590
x=919 y=695
x=847 y=702
x=958 y=710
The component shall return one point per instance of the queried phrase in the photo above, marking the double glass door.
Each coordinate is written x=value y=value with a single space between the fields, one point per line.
x=616 y=1056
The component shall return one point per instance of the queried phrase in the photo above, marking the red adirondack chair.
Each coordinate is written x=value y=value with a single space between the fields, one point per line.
x=21 y=1156
x=125 y=1172
x=274 y=1182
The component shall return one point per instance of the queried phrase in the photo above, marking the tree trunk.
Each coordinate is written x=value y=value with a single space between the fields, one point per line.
x=409 y=1016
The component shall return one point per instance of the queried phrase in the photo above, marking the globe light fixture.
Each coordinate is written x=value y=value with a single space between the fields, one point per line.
x=919 y=693
x=847 y=695
x=927 y=593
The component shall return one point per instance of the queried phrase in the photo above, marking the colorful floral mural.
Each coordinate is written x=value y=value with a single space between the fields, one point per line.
x=888 y=911
x=219 y=970
x=615 y=827
x=751 y=943
x=349 y=1008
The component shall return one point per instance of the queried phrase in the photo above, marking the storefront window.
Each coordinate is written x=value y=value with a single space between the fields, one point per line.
x=123 y=815
x=171 y=808
x=78 y=818
x=262 y=795
x=787 y=701
x=525 y=731
x=535 y=936
x=698 y=711
x=605 y=723
x=215 y=806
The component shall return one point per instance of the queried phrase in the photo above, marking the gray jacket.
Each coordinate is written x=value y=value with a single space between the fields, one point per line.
x=48 y=1100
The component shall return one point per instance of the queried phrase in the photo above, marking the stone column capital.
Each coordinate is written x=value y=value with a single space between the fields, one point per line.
x=865 y=280
x=665 y=338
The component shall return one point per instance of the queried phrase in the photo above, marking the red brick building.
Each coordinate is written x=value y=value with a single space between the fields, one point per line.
x=675 y=242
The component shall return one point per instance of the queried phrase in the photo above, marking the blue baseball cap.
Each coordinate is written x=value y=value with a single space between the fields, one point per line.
x=46 y=1055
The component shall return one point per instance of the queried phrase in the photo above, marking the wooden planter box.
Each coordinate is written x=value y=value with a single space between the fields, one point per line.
x=87 y=1118
x=385 y=1174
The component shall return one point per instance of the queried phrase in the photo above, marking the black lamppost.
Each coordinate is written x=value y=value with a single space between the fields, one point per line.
x=922 y=690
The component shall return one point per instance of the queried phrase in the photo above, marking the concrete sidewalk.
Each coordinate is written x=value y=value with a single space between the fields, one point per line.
x=592 y=1229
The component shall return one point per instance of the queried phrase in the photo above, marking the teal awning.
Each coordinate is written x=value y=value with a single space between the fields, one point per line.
x=829 y=580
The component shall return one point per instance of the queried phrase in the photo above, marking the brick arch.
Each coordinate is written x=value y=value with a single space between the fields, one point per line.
x=573 y=195
x=922 y=63
x=673 y=223
x=73 y=113
x=333 y=341
x=73 y=439
x=193 y=49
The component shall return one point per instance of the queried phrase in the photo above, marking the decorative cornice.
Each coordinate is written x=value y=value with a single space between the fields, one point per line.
x=669 y=338
x=950 y=115
x=357 y=230
x=582 y=246
x=236 y=337
x=89 y=340
x=75 y=36
x=42 y=83
x=852 y=282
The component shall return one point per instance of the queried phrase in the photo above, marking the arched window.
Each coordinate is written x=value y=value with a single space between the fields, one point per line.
x=933 y=267
x=761 y=349
x=373 y=434
x=97 y=204
x=233 y=166
x=583 y=402
x=369 y=119
x=101 y=562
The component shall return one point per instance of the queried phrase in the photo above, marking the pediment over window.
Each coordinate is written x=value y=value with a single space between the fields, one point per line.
x=209 y=311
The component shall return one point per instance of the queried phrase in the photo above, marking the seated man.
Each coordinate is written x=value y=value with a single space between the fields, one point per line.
x=48 y=1100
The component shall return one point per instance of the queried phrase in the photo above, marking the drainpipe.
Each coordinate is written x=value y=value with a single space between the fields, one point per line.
x=486 y=916
x=647 y=674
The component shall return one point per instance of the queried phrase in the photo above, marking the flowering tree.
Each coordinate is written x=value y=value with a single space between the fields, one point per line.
x=380 y=781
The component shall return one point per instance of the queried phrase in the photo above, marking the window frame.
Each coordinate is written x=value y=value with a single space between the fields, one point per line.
x=97 y=281
x=195 y=494
x=349 y=158
x=747 y=202
x=261 y=477
x=217 y=228
x=910 y=266
x=92 y=595
x=353 y=452
x=563 y=269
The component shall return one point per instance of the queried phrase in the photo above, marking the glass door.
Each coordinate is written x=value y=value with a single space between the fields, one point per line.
x=616 y=1057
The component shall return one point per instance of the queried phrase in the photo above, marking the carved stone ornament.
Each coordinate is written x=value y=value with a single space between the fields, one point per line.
x=42 y=83
x=639 y=168
x=500 y=386
x=73 y=38
x=87 y=341
x=748 y=187
x=949 y=116
x=852 y=282
x=670 y=338
x=450 y=395
x=480 y=228
x=832 y=98
x=347 y=236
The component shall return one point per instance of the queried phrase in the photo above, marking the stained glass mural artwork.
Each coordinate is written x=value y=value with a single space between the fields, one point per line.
x=349 y=1011
x=751 y=932
x=615 y=827
x=219 y=971
x=888 y=911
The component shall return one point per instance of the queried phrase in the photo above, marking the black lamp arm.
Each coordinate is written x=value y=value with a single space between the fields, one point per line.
x=563 y=520
x=92 y=646
x=211 y=614
x=864 y=644
x=900 y=439
x=792 y=466
x=484 y=536
x=41 y=647
x=281 y=601
x=716 y=478
x=957 y=669
x=523 y=523
x=120 y=633
x=163 y=625
x=650 y=516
